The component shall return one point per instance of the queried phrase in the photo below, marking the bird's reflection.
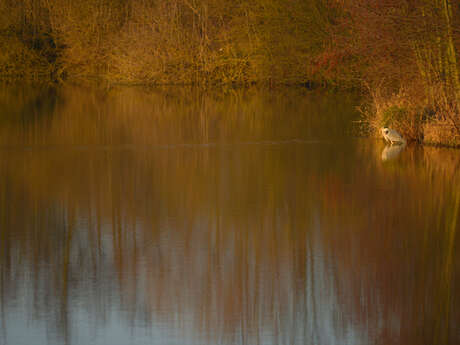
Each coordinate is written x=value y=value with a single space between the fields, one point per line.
x=391 y=152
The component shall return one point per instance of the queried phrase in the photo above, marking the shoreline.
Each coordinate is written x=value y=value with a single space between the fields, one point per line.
x=369 y=116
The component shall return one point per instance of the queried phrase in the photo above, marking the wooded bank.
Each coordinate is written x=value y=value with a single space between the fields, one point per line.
x=404 y=53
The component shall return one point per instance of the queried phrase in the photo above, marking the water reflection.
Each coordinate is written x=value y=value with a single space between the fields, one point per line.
x=391 y=152
x=134 y=216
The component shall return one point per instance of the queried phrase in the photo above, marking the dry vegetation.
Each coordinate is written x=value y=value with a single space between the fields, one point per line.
x=408 y=60
x=177 y=41
x=404 y=51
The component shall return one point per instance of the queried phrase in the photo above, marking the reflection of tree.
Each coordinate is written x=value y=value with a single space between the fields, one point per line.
x=288 y=243
x=409 y=232
x=26 y=104
x=135 y=116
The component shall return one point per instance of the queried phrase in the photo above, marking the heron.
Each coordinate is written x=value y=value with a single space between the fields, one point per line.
x=392 y=136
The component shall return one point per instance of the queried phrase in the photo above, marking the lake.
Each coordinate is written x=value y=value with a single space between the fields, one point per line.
x=248 y=216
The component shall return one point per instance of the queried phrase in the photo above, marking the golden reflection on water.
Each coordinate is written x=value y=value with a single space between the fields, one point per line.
x=241 y=217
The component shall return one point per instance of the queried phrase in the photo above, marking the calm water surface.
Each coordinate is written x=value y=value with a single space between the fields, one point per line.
x=133 y=216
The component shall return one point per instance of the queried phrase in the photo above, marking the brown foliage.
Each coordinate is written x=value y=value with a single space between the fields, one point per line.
x=176 y=41
x=406 y=54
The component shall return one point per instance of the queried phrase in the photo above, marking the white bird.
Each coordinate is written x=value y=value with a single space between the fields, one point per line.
x=392 y=136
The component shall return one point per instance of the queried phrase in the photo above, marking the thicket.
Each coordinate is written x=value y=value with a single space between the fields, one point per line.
x=408 y=60
x=404 y=52
x=175 y=41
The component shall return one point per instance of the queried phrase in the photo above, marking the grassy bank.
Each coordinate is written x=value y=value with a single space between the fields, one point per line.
x=403 y=54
